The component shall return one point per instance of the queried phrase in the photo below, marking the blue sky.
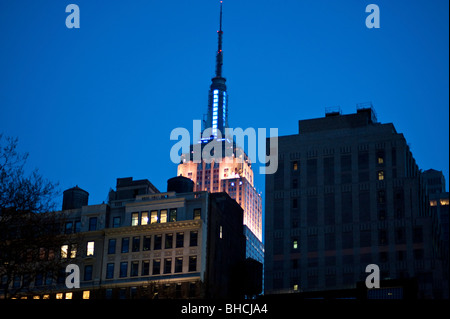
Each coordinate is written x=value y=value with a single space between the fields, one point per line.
x=99 y=102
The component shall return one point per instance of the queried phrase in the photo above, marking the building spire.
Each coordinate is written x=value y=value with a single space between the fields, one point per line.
x=217 y=117
x=219 y=56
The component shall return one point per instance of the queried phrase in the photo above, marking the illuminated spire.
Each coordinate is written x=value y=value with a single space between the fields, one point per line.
x=219 y=56
x=217 y=117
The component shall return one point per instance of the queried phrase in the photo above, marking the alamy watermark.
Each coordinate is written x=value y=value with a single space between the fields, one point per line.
x=373 y=279
x=213 y=150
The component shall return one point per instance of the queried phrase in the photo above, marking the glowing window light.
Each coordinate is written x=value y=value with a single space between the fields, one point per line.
x=90 y=248
x=216 y=91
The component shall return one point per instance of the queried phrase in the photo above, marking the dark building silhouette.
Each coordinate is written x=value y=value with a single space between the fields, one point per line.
x=180 y=184
x=348 y=193
x=74 y=197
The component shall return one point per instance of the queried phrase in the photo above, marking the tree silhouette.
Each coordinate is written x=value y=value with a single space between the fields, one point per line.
x=30 y=231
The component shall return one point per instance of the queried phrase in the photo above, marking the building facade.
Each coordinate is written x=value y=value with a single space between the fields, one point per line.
x=347 y=193
x=147 y=244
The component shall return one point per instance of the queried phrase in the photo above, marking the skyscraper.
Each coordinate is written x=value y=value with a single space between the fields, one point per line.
x=348 y=193
x=232 y=172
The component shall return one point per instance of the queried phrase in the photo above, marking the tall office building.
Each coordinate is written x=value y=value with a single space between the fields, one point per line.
x=231 y=173
x=348 y=193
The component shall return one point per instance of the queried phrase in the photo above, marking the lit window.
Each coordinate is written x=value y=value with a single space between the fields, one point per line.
x=90 y=248
x=295 y=244
x=220 y=232
x=295 y=166
x=73 y=251
x=163 y=216
x=134 y=219
x=59 y=295
x=68 y=295
x=64 y=251
x=433 y=203
x=295 y=287
x=197 y=213
x=144 y=218
x=444 y=202
x=380 y=175
x=86 y=294
x=154 y=217
x=380 y=160
x=216 y=91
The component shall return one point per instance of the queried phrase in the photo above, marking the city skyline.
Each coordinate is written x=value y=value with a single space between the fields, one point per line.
x=91 y=104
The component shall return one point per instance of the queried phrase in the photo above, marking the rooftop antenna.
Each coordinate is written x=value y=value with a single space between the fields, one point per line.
x=219 y=57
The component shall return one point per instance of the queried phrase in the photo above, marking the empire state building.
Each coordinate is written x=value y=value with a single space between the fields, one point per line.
x=233 y=172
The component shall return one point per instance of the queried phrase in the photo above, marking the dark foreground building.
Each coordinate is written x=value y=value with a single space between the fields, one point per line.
x=147 y=244
x=348 y=193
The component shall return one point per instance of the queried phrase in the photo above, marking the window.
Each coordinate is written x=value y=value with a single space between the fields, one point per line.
x=112 y=246
x=311 y=172
x=180 y=240
x=86 y=294
x=381 y=214
x=135 y=219
x=144 y=218
x=90 y=248
x=417 y=235
x=380 y=175
x=295 y=243
x=110 y=271
x=328 y=170
x=382 y=237
x=295 y=165
x=193 y=238
x=116 y=222
x=444 y=201
x=146 y=243
x=69 y=295
x=168 y=241
x=153 y=216
x=73 y=251
x=220 y=232
x=64 y=251
x=125 y=244
x=136 y=244
x=77 y=226
x=380 y=158
x=167 y=265
x=173 y=215
x=68 y=228
x=145 y=268
x=197 y=213
x=134 y=268
x=156 y=267
x=295 y=183
x=92 y=223
x=88 y=272
x=123 y=269
x=163 y=218
x=158 y=241
x=179 y=264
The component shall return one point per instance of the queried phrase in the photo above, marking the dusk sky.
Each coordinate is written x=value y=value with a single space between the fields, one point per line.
x=99 y=102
